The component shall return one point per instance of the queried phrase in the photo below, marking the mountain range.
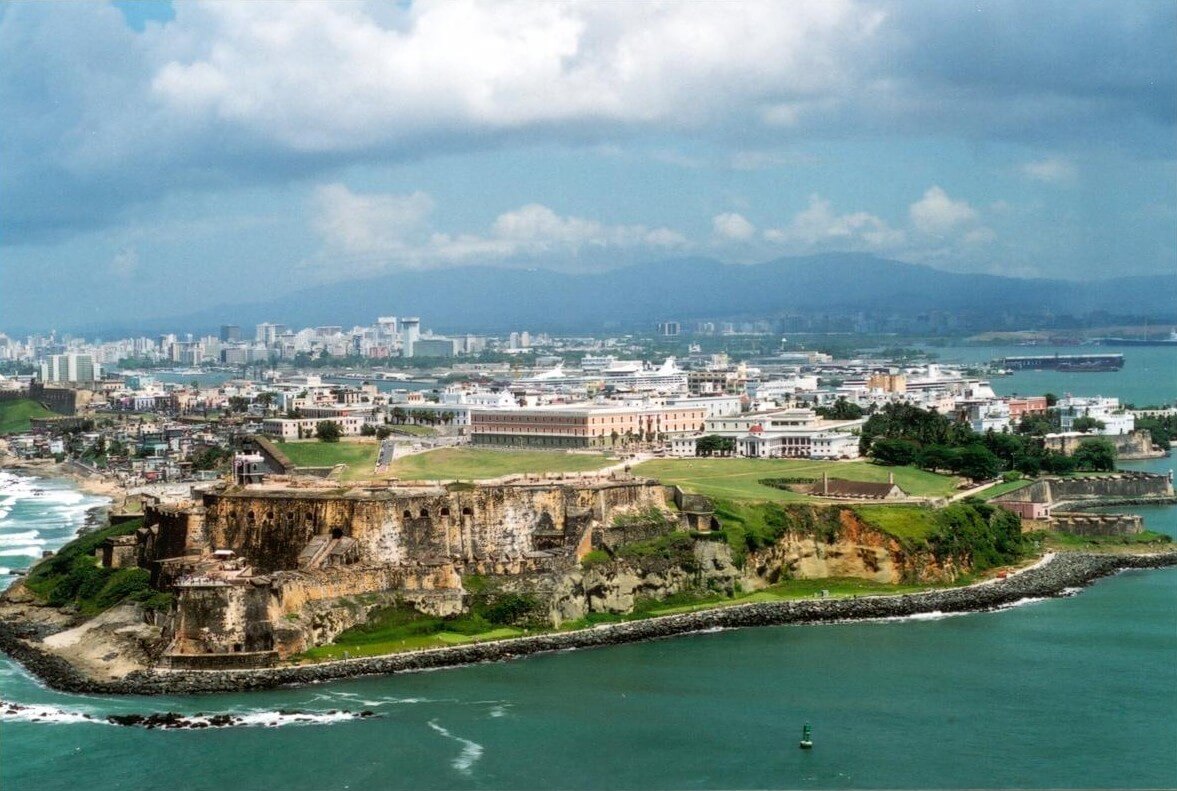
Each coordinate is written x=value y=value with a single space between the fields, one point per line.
x=489 y=299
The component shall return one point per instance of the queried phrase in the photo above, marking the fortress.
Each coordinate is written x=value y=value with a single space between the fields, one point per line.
x=264 y=571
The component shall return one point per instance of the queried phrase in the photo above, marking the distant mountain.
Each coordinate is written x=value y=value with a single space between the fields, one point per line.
x=488 y=299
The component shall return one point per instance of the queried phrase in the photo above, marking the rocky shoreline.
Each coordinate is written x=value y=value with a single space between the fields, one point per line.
x=1052 y=577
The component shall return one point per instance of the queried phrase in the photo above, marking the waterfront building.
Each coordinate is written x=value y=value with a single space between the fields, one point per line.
x=1108 y=411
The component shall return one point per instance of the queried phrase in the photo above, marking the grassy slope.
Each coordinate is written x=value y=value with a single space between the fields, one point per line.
x=905 y=522
x=737 y=478
x=402 y=629
x=15 y=415
x=476 y=463
x=360 y=457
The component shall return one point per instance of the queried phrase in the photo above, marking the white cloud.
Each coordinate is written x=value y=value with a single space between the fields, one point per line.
x=335 y=76
x=936 y=214
x=369 y=232
x=356 y=223
x=819 y=227
x=1052 y=170
x=125 y=262
x=732 y=226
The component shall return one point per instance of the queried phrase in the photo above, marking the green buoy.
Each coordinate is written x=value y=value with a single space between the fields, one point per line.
x=806 y=737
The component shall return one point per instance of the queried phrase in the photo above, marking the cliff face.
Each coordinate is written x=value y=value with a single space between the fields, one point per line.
x=855 y=549
x=852 y=548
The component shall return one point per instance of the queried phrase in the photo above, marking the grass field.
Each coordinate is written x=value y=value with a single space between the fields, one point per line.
x=738 y=478
x=475 y=463
x=394 y=629
x=360 y=457
x=15 y=415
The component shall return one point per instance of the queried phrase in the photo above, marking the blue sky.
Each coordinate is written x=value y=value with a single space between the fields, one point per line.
x=156 y=160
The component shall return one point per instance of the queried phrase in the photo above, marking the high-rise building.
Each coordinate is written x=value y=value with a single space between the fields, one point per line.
x=410 y=333
x=70 y=368
x=668 y=329
x=230 y=333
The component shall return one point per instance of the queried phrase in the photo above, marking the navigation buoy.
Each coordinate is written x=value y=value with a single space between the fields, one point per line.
x=806 y=737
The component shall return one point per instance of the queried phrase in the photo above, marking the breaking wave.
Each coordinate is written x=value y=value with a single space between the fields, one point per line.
x=35 y=712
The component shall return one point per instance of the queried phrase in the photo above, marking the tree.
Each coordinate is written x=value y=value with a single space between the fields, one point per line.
x=1051 y=399
x=367 y=430
x=1098 y=455
x=894 y=452
x=398 y=415
x=978 y=463
x=938 y=457
x=383 y=432
x=1086 y=424
x=328 y=431
x=840 y=410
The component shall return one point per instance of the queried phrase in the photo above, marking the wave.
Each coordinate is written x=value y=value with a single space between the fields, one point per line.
x=28 y=552
x=470 y=753
x=35 y=712
x=22 y=536
x=55 y=715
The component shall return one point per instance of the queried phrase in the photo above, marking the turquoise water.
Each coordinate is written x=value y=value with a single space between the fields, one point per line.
x=1073 y=692
x=1149 y=375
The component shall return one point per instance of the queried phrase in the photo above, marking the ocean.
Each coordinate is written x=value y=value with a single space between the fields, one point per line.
x=1072 y=692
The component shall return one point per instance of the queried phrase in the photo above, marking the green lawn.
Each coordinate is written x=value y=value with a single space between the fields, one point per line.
x=476 y=463
x=738 y=478
x=902 y=521
x=15 y=415
x=360 y=457
x=393 y=629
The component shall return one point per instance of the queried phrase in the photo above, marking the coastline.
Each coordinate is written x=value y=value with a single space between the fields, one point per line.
x=1053 y=576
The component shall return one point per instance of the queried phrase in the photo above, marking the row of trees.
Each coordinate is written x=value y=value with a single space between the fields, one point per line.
x=432 y=417
x=902 y=434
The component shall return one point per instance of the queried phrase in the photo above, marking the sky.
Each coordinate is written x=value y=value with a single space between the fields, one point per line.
x=157 y=159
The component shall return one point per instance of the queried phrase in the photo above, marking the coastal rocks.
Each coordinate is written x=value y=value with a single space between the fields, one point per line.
x=174 y=721
x=1055 y=576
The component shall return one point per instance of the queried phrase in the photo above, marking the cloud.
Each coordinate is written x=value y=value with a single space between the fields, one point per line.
x=819 y=227
x=101 y=117
x=369 y=232
x=357 y=223
x=1052 y=170
x=936 y=214
x=125 y=262
x=732 y=227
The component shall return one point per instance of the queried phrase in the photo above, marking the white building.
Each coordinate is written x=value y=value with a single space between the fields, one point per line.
x=1108 y=411
x=788 y=433
x=304 y=428
x=70 y=368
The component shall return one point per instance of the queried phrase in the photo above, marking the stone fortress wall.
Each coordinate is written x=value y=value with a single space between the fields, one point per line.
x=297 y=559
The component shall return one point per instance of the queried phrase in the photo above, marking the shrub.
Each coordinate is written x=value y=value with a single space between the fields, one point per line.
x=597 y=557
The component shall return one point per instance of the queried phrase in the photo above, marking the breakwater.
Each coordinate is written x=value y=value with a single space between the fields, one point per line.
x=1052 y=577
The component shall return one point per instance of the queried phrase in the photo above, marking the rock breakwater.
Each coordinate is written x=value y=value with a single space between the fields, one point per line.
x=1054 y=576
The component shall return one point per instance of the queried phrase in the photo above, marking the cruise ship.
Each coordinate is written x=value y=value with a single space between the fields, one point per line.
x=622 y=376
